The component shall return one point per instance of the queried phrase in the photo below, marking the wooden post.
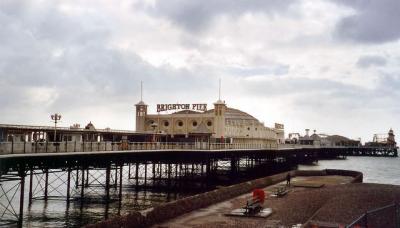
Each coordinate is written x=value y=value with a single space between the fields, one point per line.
x=68 y=184
x=154 y=172
x=120 y=181
x=108 y=171
x=21 y=198
x=30 y=185
x=46 y=183
x=83 y=183
x=137 y=174
x=129 y=171
x=87 y=177
x=145 y=173
x=77 y=178
x=116 y=176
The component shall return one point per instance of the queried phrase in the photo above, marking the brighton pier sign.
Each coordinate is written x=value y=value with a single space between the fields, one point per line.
x=195 y=107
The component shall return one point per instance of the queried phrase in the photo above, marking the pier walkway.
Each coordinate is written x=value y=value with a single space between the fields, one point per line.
x=64 y=148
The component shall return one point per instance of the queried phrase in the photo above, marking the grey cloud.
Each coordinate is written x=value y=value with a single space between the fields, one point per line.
x=389 y=84
x=197 y=15
x=370 y=60
x=373 y=22
x=42 y=49
x=274 y=69
x=324 y=93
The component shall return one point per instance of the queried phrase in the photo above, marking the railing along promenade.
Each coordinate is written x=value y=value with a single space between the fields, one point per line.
x=66 y=147
x=9 y=148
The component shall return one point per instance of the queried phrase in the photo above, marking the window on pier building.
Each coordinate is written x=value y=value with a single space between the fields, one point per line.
x=179 y=123
x=166 y=123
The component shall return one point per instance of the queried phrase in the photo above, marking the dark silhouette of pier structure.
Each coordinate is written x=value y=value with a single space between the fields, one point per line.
x=100 y=176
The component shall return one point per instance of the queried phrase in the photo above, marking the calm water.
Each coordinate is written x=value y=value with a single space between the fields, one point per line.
x=375 y=169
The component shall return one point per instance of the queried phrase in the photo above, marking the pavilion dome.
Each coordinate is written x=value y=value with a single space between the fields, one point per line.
x=236 y=114
x=90 y=126
x=232 y=113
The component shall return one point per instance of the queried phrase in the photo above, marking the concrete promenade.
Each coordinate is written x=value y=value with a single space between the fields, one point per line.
x=324 y=198
x=337 y=204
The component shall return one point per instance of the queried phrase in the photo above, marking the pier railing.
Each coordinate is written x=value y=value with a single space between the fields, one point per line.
x=387 y=216
x=64 y=147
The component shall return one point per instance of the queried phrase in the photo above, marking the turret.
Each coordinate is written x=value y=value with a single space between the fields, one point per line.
x=141 y=112
x=219 y=119
x=390 y=140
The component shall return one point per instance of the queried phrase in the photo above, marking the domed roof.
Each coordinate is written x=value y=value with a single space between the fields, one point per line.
x=90 y=126
x=315 y=137
x=232 y=113
x=140 y=103
x=337 y=138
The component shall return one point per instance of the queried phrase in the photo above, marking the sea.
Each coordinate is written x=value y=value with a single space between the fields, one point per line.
x=381 y=170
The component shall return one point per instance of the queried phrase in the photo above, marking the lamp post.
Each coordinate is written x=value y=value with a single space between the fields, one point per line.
x=56 y=117
x=154 y=126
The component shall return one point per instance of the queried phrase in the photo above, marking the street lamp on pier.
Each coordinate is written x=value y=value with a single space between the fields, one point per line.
x=56 y=117
x=154 y=126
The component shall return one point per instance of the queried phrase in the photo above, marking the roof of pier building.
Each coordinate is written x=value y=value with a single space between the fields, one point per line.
x=187 y=112
x=236 y=114
x=315 y=136
x=230 y=113
x=72 y=129
x=90 y=126
x=338 y=138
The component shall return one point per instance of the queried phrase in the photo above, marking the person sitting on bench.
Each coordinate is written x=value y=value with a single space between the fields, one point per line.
x=254 y=205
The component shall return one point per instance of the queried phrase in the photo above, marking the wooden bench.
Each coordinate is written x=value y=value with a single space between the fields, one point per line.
x=281 y=191
x=253 y=206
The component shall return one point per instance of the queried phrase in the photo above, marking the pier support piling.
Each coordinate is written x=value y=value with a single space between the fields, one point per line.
x=68 y=183
x=83 y=183
x=108 y=171
x=46 y=183
x=30 y=186
x=120 y=182
x=21 y=198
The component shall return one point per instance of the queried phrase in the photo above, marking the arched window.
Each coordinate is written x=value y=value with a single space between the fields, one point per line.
x=179 y=123
x=166 y=123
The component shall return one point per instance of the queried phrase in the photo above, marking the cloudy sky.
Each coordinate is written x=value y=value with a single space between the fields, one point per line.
x=330 y=65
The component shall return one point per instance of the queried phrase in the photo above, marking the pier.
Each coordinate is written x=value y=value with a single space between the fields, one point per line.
x=98 y=172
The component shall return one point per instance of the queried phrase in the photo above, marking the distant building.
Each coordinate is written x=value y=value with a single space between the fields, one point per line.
x=26 y=133
x=383 y=140
x=321 y=140
x=293 y=138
